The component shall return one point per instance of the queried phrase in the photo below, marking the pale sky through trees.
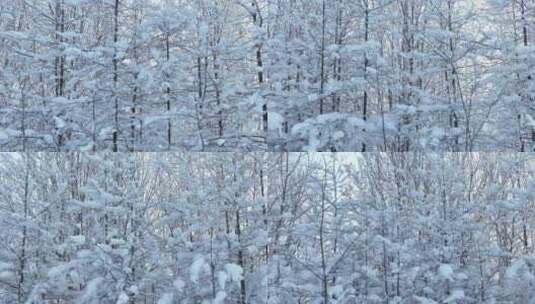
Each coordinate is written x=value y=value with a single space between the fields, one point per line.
x=265 y=75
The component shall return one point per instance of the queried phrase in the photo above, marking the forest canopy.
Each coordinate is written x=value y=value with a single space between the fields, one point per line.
x=267 y=228
x=267 y=75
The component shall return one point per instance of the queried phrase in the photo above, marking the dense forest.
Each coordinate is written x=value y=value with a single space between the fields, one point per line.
x=267 y=228
x=267 y=75
x=261 y=87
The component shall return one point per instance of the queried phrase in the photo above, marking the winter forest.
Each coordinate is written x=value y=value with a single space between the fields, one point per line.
x=267 y=75
x=267 y=228
x=259 y=112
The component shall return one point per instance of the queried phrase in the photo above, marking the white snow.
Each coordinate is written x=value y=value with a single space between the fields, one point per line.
x=220 y=297
x=455 y=296
x=167 y=298
x=4 y=137
x=222 y=278
x=57 y=271
x=123 y=298
x=4 y=266
x=422 y=300
x=179 y=284
x=134 y=290
x=446 y=271
x=275 y=122
x=77 y=239
x=220 y=142
x=336 y=291
x=91 y=290
x=234 y=272
x=6 y=275
x=515 y=268
x=197 y=267
x=338 y=135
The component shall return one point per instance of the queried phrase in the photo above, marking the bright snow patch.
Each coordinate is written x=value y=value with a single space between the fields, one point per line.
x=197 y=268
x=222 y=279
x=167 y=298
x=422 y=300
x=77 y=240
x=456 y=295
x=179 y=284
x=234 y=272
x=275 y=122
x=220 y=297
x=446 y=271
x=6 y=275
x=123 y=298
x=91 y=291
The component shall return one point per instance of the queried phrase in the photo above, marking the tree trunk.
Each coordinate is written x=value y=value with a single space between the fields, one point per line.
x=322 y=56
x=365 y=97
x=22 y=264
x=168 y=95
x=324 y=278
x=258 y=21
x=115 y=74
